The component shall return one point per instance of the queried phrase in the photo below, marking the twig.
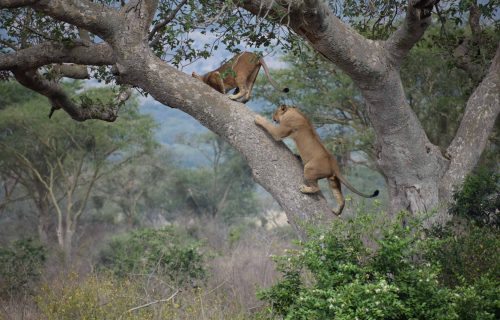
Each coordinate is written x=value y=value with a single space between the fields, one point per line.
x=152 y=302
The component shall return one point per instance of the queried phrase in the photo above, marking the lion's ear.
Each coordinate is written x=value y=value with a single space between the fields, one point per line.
x=195 y=75
x=283 y=107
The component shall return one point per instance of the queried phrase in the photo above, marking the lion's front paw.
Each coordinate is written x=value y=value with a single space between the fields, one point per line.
x=260 y=120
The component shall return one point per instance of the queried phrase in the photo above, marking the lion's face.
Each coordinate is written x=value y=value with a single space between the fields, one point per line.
x=279 y=113
x=197 y=76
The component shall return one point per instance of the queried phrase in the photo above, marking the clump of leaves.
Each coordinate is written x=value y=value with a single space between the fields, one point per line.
x=162 y=252
x=335 y=275
x=479 y=199
x=21 y=265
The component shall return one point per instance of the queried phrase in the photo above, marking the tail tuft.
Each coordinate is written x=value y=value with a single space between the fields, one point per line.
x=286 y=90
x=374 y=194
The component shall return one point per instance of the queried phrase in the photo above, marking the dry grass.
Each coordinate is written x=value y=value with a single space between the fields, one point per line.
x=238 y=261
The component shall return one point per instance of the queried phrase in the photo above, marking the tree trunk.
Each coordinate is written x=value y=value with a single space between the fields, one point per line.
x=410 y=163
x=68 y=245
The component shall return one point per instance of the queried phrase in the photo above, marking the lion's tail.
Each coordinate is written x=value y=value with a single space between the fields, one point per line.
x=273 y=83
x=350 y=187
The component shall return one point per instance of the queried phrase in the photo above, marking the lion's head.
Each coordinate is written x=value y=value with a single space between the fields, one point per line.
x=280 y=111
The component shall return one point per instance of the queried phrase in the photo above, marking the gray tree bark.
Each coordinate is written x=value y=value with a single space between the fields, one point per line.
x=419 y=178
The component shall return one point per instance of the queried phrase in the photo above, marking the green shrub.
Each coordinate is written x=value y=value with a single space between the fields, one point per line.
x=479 y=198
x=21 y=265
x=164 y=252
x=334 y=275
x=465 y=252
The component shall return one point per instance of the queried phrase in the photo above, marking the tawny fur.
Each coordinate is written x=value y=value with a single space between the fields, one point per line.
x=318 y=162
x=240 y=72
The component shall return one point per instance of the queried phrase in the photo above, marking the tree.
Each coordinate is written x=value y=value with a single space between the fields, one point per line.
x=222 y=189
x=133 y=34
x=59 y=164
x=139 y=180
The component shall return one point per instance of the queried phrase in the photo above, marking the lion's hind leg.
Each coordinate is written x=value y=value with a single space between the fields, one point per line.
x=241 y=83
x=250 y=82
x=311 y=174
x=337 y=194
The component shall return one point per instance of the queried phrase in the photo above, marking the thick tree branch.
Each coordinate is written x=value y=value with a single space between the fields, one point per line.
x=339 y=43
x=417 y=20
x=55 y=52
x=92 y=16
x=87 y=109
x=479 y=118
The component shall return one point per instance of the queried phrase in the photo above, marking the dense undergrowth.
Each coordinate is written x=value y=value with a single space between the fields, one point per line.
x=364 y=267
x=371 y=268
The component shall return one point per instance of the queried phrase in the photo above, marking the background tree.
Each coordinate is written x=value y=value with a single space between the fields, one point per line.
x=58 y=164
x=418 y=176
x=221 y=189
x=133 y=186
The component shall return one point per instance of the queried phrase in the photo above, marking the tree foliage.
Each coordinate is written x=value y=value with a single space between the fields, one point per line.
x=21 y=265
x=164 y=253
x=335 y=275
x=478 y=199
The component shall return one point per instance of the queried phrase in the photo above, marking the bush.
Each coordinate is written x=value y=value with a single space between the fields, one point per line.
x=92 y=298
x=465 y=252
x=479 y=198
x=105 y=297
x=163 y=252
x=335 y=276
x=21 y=265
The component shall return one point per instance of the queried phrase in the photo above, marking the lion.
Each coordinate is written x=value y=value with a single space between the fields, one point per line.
x=318 y=162
x=240 y=72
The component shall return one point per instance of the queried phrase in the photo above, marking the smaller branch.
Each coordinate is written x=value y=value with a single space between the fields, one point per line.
x=328 y=119
x=8 y=191
x=465 y=54
x=418 y=19
x=163 y=23
x=85 y=200
x=153 y=302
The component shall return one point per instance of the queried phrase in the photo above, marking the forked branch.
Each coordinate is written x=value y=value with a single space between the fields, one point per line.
x=418 y=19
